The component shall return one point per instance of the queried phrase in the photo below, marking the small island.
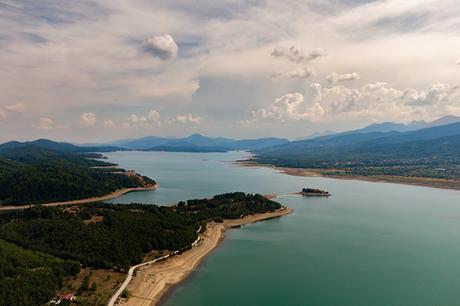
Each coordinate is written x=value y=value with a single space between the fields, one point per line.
x=314 y=192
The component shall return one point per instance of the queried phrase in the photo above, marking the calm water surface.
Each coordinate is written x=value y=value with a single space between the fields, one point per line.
x=368 y=244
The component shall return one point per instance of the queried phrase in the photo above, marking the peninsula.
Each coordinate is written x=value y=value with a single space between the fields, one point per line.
x=83 y=251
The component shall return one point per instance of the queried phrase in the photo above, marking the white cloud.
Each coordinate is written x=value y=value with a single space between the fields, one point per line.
x=186 y=118
x=374 y=102
x=161 y=46
x=458 y=62
x=109 y=124
x=45 y=123
x=154 y=116
x=88 y=119
x=15 y=108
x=297 y=55
x=135 y=120
x=334 y=77
x=289 y=107
x=301 y=73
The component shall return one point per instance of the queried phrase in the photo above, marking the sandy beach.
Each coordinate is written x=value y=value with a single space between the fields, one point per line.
x=151 y=282
x=332 y=173
x=106 y=197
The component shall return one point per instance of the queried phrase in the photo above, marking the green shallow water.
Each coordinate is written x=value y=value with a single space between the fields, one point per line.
x=368 y=244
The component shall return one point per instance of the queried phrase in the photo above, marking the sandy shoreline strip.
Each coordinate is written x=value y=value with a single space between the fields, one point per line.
x=113 y=195
x=152 y=282
x=405 y=180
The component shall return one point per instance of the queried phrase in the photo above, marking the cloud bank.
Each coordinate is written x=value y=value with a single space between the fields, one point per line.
x=376 y=100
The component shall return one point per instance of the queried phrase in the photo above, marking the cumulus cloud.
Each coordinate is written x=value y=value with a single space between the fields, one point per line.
x=186 y=118
x=45 y=123
x=290 y=107
x=161 y=46
x=109 y=124
x=436 y=95
x=334 y=77
x=135 y=120
x=301 y=73
x=383 y=102
x=297 y=55
x=15 y=108
x=154 y=116
x=88 y=119
x=376 y=101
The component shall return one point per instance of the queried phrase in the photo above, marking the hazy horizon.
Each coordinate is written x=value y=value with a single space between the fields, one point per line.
x=185 y=135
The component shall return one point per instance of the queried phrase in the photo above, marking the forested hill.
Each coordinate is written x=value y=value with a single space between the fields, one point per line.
x=430 y=152
x=51 y=242
x=33 y=154
x=7 y=164
x=32 y=174
x=57 y=146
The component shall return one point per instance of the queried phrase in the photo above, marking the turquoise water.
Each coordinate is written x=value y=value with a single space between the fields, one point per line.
x=368 y=244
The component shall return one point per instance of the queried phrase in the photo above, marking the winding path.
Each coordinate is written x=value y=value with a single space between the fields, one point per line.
x=125 y=284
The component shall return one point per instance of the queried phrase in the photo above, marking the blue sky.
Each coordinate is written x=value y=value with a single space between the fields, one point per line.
x=109 y=69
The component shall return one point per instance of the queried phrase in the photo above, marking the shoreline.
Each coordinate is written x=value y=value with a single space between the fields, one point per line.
x=110 y=196
x=307 y=172
x=152 y=283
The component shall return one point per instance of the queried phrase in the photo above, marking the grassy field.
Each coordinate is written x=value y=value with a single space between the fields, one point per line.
x=106 y=282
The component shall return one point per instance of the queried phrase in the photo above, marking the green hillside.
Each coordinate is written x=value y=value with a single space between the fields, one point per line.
x=32 y=174
x=430 y=152
x=30 y=278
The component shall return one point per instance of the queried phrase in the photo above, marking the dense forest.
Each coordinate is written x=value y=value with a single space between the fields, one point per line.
x=227 y=206
x=102 y=235
x=32 y=174
x=29 y=277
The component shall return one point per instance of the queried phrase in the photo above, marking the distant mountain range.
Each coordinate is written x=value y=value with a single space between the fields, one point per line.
x=437 y=144
x=322 y=147
x=196 y=143
x=56 y=146
x=352 y=141
x=391 y=127
x=412 y=126
x=193 y=143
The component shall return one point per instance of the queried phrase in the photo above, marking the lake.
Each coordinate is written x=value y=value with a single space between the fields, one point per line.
x=368 y=244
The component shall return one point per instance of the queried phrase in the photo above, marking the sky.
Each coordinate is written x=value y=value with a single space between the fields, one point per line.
x=94 y=71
